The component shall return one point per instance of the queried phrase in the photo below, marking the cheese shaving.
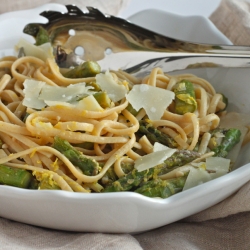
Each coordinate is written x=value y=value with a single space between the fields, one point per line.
x=42 y=52
x=153 y=100
x=69 y=94
x=158 y=147
x=153 y=159
x=32 y=91
x=89 y=103
x=115 y=91
x=198 y=175
x=38 y=94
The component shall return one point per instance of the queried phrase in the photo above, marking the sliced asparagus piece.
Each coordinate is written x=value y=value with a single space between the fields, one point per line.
x=110 y=176
x=87 y=165
x=184 y=97
x=162 y=188
x=230 y=139
x=135 y=178
x=84 y=145
x=103 y=99
x=155 y=135
x=132 y=110
x=177 y=159
x=15 y=177
x=94 y=86
x=42 y=36
x=34 y=183
x=38 y=32
x=131 y=180
x=86 y=69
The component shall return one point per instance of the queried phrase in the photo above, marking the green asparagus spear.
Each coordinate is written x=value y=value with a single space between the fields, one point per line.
x=216 y=137
x=85 y=145
x=38 y=32
x=132 y=110
x=34 y=183
x=87 y=165
x=86 y=69
x=42 y=36
x=94 y=85
x=31 y=29
x=162 y=188
x=230 y=139
x=184 y=97
x=127 y=167
x=103 y=99
x=131 y=180
x=179 y=158
x=155 y=135
x=15 y=177
x=134 y=178
x=110 y=176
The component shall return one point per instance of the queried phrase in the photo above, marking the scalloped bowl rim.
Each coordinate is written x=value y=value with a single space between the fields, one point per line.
x=204 y=25
x=124 y=212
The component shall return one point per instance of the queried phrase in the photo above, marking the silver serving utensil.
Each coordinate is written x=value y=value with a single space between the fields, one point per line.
x=188 y=61
x=116 y=43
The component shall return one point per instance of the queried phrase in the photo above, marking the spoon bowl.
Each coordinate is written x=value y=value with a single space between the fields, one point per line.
x=78 y=36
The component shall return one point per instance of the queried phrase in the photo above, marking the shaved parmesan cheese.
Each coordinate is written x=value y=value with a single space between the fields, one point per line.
x=107 y=83
x=196 y=177
x=32 y=89
x=153 y=159
x=152 y=99
x=158 y=147
x=218 y=173
x=217 y=163
x=69 y=94
x=89 y=103
x=43 y=51
x=39 y=94
x=199 y=175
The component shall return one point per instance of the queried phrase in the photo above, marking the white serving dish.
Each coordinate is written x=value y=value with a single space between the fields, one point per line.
x=189 y=28
x=12 y=24
x=125 y=212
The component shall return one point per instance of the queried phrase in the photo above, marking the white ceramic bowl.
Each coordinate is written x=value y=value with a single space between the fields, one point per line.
x=125 y=212
x=189 y=28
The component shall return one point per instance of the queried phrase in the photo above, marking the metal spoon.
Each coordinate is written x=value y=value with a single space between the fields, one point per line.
x=115 y=42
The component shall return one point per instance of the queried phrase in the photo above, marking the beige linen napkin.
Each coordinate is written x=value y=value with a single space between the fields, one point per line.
x=232 y=18
x=223 y=226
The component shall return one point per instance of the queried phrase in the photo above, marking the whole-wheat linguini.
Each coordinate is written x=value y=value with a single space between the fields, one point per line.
x=27 y=139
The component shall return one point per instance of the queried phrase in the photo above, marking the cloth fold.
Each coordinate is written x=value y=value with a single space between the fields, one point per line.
x=223 y=226
x=14 y=235
x=232 y=18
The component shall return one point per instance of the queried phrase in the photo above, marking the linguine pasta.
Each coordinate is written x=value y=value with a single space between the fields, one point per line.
x=27 y=134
